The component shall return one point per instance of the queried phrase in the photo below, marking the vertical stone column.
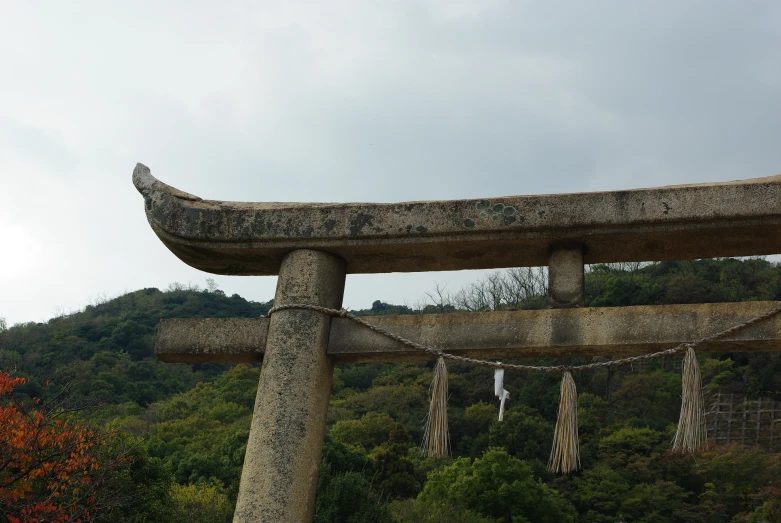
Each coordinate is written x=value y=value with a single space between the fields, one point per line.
x=279 y=479
x=566 y=283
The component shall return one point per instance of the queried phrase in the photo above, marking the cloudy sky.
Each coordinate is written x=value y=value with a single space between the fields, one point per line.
x=353 y=101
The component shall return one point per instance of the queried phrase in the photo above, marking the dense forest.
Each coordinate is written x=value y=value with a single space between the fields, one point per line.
x=166 y=441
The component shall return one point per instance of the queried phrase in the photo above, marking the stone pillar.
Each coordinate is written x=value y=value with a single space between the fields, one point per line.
x=566 y=283
x=279 y=479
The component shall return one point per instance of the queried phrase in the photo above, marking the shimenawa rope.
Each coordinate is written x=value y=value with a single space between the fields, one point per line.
x=342 y=313
x=565 y=454
x=436 y=436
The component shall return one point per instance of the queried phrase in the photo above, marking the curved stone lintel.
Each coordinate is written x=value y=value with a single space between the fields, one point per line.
x=740 y=218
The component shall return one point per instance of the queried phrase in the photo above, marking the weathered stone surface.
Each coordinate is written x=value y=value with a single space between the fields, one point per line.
x=602 y=331
x=202 y=340
x=679 y=222
x=279 y=478
x=566 y=277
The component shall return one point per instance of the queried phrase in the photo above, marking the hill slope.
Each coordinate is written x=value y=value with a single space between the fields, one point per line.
x=195 y=419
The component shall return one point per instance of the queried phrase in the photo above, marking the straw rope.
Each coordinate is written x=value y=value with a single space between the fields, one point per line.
x=342 y=313
x=565 y=453
x=691 y=434
x=436 y=437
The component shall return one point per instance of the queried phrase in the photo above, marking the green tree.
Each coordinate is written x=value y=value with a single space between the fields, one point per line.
x=497 y=486
x=396 y=475
x=632 y=452
x=414 y=511
x=471 y=432
x=524 y=434
x=147 y=483
x=200 y=503
x=347 y=497
x=769 y=511
x=368 y=432
x=742 y=478
x=598 y=494
x=658 y=502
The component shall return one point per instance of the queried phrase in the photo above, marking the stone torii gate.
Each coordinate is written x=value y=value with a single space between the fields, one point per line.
x=313 y=246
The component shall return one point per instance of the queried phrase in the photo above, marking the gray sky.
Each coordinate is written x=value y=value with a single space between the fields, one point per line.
x=353 y=101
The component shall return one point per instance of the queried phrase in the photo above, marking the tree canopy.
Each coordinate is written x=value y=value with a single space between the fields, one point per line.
x=186 y=426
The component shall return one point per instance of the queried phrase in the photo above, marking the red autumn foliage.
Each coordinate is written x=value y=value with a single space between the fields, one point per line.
x=50 y=470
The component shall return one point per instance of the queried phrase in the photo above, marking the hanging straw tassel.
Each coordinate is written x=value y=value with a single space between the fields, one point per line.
x=436 y=439
x=565 y=454
x=691 y=434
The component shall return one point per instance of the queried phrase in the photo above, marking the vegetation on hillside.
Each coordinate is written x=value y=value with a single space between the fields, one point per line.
x=186 y=426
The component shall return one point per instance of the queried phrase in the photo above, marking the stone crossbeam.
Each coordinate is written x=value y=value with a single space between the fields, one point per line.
x=741 y=218
x=602 y=331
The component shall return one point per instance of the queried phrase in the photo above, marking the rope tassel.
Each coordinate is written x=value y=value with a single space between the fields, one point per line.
x=691 y=434
x=436 y=438
x=565 y=454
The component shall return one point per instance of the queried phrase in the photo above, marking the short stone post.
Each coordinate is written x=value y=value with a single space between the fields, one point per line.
x=566 y=279
x=282 y=461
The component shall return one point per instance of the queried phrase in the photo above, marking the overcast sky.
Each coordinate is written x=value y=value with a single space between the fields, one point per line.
x=353 y=101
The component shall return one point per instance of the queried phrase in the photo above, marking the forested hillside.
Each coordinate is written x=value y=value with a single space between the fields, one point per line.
x=182 y=429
